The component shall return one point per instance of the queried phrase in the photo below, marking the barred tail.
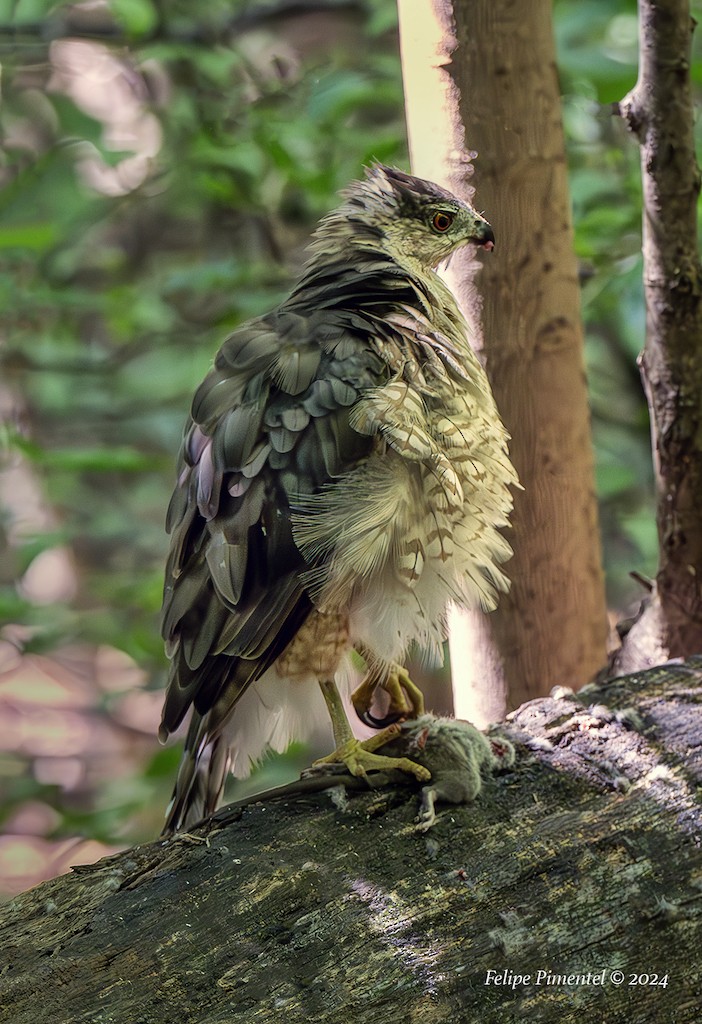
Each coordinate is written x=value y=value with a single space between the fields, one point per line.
x=201 y=776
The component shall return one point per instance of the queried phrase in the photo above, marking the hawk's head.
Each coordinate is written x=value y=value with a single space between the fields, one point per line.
x=407 y=217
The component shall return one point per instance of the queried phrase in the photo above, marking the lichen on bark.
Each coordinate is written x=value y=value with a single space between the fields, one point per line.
x=585 y=856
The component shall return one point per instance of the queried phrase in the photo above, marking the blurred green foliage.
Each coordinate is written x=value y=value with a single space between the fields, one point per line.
x=116 y=303
x=155 y=194
x=161 y=172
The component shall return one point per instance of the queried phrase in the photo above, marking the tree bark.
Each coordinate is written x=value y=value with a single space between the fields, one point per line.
x=584 y=858
x=659 y=112
x=483 y=74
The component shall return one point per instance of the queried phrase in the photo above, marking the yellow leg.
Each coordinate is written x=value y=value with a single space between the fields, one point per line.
x=358 y=755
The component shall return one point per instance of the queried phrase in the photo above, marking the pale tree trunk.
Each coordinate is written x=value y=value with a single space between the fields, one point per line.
x=659 y=111
x=481 y=75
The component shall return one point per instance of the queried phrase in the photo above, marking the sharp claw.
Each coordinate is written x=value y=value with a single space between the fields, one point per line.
x=405 y=698
x=379 y=723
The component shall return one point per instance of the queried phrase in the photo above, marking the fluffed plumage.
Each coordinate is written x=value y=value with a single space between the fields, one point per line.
x=342 y=479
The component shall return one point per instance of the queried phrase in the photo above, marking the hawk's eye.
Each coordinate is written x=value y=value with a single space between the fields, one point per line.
x=442 y=221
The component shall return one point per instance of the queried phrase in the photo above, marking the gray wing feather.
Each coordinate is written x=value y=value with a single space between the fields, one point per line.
x=269 y=426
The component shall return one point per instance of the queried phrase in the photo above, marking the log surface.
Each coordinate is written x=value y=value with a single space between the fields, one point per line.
x=584 y=857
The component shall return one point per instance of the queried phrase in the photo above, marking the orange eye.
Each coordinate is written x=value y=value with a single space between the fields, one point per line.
x=442 y=221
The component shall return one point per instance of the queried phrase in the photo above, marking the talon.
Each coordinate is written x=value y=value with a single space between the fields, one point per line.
x=406 y=699
x=370 y=719
x=359 y=758
x=358 y=755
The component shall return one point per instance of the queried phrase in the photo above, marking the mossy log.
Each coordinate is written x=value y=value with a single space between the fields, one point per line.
x=582 y=862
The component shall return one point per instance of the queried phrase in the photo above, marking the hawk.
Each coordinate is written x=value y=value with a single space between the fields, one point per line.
x=342 y=479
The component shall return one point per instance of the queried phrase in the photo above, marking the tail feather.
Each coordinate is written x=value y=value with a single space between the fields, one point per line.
x=202 y=774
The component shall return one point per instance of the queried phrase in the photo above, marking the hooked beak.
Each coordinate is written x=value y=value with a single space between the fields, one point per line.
x=484 y=237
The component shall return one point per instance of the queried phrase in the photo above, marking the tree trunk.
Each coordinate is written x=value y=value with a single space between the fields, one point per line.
x=485 y=71
x=659 y=112
x=583 y=859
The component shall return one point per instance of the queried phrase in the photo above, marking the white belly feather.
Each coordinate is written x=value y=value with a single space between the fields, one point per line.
x=400 y=538
x=397 y=540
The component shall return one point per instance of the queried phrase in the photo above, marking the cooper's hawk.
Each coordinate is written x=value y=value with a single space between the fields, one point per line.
x=341 y=481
